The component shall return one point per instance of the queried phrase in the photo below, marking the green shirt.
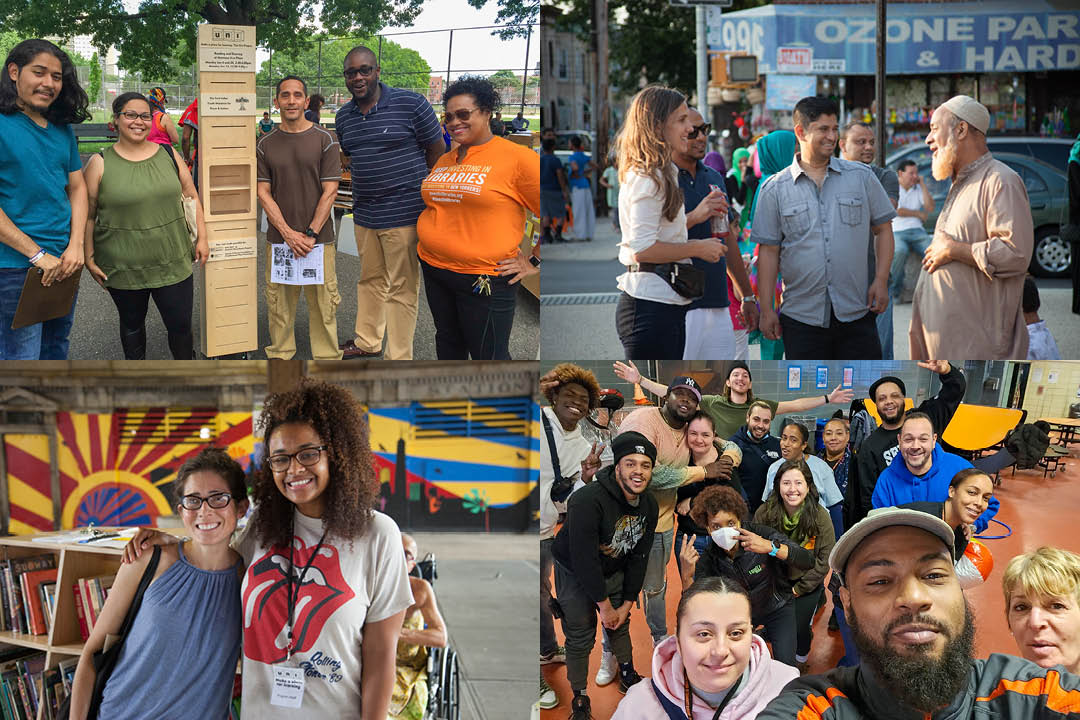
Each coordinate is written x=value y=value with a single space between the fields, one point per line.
x=140 y=235
x=727 y=416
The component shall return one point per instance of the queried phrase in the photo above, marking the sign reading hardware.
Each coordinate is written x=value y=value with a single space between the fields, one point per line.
x=226 y=48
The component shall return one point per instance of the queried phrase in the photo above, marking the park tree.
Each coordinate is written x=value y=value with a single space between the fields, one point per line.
x=94 y=90
x=401 y=66
x=650 y=40
x=147 y=37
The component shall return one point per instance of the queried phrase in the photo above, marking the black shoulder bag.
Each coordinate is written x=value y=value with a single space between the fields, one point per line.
x=106 y=658
x=560 y=489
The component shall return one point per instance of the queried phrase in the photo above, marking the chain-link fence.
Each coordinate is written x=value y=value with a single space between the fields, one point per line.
x=518 y=85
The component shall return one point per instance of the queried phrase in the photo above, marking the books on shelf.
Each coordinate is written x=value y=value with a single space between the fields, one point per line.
x=21 y=687
x=90 y=594
x=20 y=596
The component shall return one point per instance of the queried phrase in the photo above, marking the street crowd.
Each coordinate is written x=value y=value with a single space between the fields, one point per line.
x=446 y=199
x=883 y=518
x=801 y=250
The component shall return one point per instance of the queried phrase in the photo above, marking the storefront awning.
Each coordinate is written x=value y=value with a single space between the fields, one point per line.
x=923 y=38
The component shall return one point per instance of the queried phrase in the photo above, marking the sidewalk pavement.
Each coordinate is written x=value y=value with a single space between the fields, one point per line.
x=487 y=592
x=584 y=326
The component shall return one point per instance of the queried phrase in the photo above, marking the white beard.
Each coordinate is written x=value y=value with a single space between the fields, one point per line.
x=944 y=160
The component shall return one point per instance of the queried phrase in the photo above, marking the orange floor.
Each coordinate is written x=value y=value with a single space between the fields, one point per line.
x=1040 y=511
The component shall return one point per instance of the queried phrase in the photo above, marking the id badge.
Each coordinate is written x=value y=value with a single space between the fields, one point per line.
x=288 y=688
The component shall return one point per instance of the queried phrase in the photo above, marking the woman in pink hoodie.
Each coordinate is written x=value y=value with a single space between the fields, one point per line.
x=714 y=668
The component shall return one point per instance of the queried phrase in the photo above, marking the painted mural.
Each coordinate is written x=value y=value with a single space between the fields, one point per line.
x=465 y=465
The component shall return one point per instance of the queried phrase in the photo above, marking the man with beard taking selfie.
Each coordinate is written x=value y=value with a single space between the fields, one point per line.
x=665 y=427
x=982 y=245
x=878 y=450
x=600 y=558
x=915 y=633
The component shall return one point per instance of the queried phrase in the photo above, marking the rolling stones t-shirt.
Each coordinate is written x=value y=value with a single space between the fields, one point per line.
x=343 y=589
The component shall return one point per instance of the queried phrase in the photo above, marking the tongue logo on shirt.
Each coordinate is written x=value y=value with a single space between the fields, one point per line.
x=266 y=633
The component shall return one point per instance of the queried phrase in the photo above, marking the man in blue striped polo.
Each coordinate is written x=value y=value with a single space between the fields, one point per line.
x=392 y=139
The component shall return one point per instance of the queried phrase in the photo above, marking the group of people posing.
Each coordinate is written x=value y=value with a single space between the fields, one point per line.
x=824 y=239
x=756 y=523
x=455 y=210
x=316 y=584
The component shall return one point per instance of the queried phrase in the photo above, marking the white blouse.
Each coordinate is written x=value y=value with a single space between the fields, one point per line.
x=641 y=217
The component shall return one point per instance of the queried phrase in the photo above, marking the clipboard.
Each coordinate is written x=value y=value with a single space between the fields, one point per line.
x=38 y=303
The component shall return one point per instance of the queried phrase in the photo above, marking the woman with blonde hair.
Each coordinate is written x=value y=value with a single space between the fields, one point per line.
x=1042 y=606
x=660 y=281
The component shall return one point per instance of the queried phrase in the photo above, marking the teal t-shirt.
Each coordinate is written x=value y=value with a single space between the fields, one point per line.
x=34 y=166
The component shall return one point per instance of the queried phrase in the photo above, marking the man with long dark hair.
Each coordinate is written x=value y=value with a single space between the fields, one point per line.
x=43 y=202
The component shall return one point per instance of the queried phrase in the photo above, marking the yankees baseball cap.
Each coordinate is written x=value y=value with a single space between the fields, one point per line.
x=685 y=381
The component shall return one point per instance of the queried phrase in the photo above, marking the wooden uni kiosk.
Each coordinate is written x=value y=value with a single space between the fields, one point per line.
x=226 y=165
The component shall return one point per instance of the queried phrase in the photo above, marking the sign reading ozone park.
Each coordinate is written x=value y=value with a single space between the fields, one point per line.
x=922 y=38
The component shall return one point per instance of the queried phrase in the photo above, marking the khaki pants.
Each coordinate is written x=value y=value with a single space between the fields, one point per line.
x=388 y=291
x=322 y=302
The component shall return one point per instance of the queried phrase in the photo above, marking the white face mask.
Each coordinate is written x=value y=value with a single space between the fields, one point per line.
x=725 y=537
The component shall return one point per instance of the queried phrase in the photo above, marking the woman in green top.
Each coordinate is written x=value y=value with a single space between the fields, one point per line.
x=793 y=509
x=137 y=243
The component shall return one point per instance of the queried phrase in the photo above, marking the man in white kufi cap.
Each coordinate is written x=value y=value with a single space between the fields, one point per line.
x=968 y=301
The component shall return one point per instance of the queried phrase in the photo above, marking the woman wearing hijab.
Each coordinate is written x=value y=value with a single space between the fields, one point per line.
x=774 y=153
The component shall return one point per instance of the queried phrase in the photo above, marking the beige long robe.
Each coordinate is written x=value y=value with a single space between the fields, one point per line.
x=960 y=311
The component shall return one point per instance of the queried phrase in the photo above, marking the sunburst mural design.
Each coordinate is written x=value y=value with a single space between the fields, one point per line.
x=105 y=480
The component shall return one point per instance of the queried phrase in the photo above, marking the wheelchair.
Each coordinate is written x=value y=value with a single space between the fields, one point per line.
x=444 y=682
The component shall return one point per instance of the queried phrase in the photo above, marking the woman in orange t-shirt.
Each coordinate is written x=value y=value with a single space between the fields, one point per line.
x=470 y=233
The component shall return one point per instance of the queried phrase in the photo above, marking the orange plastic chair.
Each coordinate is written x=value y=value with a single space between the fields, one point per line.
x=978 y=427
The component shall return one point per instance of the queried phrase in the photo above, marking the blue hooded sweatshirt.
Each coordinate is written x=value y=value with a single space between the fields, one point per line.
x=896 y=485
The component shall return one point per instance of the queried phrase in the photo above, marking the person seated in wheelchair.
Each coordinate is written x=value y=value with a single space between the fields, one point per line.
x=423 y=628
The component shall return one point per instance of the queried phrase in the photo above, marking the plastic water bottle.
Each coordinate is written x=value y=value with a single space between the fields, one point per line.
x=719 y=222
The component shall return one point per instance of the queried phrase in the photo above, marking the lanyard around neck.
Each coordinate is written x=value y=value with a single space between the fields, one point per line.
x=688 y=695
x=291 y=598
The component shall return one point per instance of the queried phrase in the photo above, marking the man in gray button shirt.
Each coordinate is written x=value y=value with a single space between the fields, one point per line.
x=813 y=221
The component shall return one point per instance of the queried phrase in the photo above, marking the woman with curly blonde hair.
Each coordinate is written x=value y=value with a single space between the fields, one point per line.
x=326 y=586
x=660 y=281
x=1042 y=606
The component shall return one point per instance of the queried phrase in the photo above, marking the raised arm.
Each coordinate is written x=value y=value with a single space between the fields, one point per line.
x=838 y=395
x=631 y=374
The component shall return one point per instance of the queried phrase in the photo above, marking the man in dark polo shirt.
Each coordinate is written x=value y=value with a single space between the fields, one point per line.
x=709 y=332
x=392 y=139
x=298 y=174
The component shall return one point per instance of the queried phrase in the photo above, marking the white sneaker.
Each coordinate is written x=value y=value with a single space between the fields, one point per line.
x=609 y=669
x=548 y=698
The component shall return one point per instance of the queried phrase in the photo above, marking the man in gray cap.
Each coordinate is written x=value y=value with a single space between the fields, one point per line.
x=968 y=302
x=915 y=634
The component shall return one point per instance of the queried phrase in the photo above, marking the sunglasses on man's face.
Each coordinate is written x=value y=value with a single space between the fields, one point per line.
x=704 y=129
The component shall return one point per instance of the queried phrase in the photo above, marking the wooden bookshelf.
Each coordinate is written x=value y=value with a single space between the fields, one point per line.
x=73 y=561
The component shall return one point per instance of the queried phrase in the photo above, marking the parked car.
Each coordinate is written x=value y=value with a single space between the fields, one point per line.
x=1045 y=183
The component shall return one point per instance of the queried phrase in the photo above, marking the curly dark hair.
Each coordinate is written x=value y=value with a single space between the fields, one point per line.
x=71 y=105
x=216 y=460
x=335 y=415
x=566 y=373
x=715 y=498
x=771 y=512
x=487 y=98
